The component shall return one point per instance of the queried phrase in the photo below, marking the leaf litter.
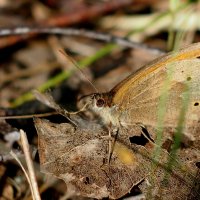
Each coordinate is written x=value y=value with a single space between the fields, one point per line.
x=85 y=147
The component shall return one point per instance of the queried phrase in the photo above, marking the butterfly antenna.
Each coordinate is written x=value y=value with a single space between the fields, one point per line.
x=78 y=67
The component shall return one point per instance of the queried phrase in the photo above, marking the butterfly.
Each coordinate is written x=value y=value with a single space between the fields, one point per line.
x=78 y=156
x=136 y=99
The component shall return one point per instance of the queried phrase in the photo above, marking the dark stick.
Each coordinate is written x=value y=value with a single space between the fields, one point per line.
x=67 y=19
x=78 y=32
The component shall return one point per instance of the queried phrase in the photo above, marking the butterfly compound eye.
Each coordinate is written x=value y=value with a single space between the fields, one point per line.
x=100 y=102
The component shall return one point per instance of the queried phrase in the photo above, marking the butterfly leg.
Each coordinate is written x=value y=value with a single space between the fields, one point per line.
x=111 y=144
x=111 y=141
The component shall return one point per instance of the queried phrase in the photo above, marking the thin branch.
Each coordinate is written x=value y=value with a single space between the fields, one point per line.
x=78 y=32
x=83 y=14
x=29 y=116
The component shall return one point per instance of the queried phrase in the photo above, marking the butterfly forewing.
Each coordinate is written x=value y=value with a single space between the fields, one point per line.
x=138 y=97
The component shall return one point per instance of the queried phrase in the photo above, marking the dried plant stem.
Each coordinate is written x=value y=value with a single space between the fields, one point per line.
x=33 y=182
x=29 y=116
x=23 y=169
x=9 y=156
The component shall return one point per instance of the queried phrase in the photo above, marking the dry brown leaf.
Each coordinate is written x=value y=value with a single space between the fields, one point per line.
x=79 y=157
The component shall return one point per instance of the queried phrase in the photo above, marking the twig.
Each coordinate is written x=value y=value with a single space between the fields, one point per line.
x=30 y=167
x=29 y=116
x=78 y=32
x=67 y=19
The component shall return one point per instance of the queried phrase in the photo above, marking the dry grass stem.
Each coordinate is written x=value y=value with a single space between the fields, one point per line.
x=23 y=169
x=33 y=182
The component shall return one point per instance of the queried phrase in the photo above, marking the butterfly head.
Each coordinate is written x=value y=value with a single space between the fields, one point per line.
x=101 y=105
x=94 y=101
